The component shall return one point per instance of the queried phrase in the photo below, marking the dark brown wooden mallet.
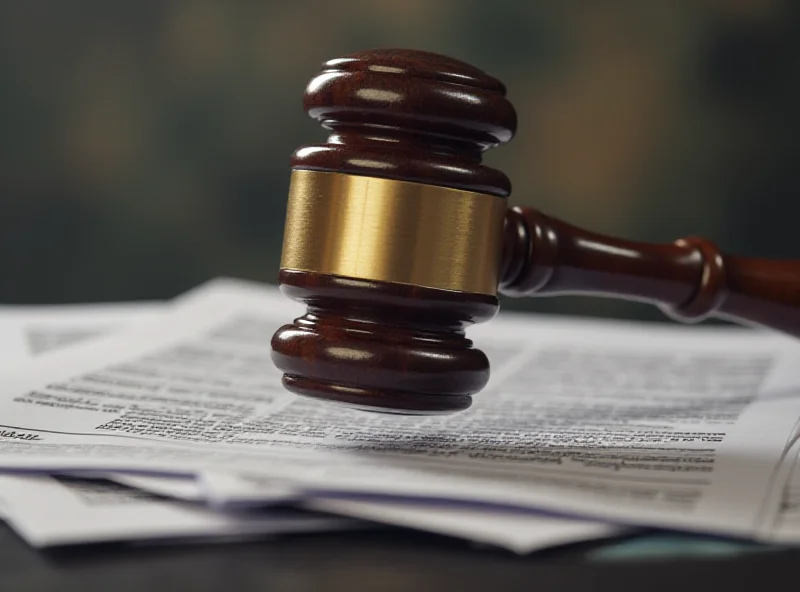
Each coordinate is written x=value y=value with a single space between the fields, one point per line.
x=398 y=238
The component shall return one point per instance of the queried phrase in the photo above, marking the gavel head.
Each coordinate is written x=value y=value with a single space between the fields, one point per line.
x=394 y=233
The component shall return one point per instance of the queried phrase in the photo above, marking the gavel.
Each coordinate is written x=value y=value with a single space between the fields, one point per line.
x=398 y=239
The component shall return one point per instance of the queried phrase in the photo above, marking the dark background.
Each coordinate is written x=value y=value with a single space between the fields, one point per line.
x=145 y=144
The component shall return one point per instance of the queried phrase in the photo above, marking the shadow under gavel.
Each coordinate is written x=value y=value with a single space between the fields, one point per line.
x=398 y=238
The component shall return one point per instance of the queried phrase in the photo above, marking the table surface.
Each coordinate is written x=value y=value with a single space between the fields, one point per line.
x=380 y=561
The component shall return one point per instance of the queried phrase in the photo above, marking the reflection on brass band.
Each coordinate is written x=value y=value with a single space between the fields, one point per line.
x=394 y=231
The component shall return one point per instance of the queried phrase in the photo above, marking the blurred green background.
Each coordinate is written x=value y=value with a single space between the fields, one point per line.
x=145 y=144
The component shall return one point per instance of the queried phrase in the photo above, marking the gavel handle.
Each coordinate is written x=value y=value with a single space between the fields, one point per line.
x=690 y=279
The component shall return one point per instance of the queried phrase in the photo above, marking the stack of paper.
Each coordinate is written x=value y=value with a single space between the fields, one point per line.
x=63 y=509
x=587 y=429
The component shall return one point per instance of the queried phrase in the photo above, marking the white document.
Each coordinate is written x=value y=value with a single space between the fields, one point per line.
x=213 y=491
x=785 y=528
x=46 y=511
x=184 y=488
x=27 y=331
x=518 y=531
x=640 y=425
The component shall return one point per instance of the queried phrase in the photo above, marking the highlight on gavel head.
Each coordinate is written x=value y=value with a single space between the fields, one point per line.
x=394 y=233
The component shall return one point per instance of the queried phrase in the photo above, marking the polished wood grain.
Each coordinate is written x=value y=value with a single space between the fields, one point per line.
x=379 y=345
x=690 y=280
x=411 y=116
x=425 y=118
